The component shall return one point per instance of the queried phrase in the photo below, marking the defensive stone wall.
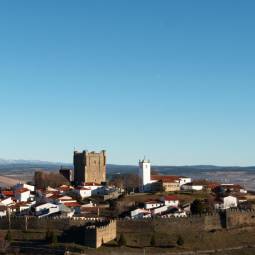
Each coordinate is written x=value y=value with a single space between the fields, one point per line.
x=25 y=223
x=97 y=235
x=239 y=218
x=207 y=222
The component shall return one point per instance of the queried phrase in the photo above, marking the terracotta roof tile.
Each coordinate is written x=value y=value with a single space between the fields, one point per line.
x=165 y=178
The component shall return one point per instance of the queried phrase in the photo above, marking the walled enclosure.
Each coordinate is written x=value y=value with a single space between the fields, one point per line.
x=142 y=228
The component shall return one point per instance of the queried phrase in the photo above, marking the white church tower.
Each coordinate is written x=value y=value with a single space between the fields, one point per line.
x=144 y=175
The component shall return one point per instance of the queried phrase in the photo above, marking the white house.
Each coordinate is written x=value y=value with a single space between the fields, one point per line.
x=140 y=213
x=96 y=189
x=46 y=209
x=24 y=207
x=170 y=201
x=226 y=203
x=234 y=188
x=24 y=186
x=65 y=199
x=184 y=180
x=152 y=204
x=6 y=201
x=83 y=192
x=3 y=211
x=66 y=211
x=192 y=187
x=159 y=210
x=22 y=195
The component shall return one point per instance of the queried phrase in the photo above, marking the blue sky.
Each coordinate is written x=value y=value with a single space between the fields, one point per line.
x=172 y=80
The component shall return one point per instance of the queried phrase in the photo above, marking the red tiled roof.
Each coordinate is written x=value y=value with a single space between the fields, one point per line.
x=92 y=184
x=89 y=209
x=65 y=188
x=22 y=203
x=72 y=204
x=54 y=195
x=22 y=190
x=232 y=186
x=165 y=178
x=152 y=202
x=171 y=198
x=212 y=185
x=66 y=199
x=7 y=193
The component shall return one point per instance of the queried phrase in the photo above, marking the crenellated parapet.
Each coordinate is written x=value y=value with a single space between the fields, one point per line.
x=232 y=218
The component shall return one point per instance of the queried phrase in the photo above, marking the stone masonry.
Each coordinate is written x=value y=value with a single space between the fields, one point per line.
x=89 y=167
x=100 y=233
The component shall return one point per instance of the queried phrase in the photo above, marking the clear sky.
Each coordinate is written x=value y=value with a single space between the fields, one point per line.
x=172 y=80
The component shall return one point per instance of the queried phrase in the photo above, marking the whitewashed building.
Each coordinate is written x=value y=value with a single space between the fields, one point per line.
x=24 y=186
x=6 y=201
x=192 y=187
x=83 y=192
x=3 y=211
x=184 y=180
x=224 y=203
x=140 y=213
x=22 y=195
x=152 y=204
x=46 y=209
x=159 y=210
x=170 y=201
x=96 y=189
x=148 y=183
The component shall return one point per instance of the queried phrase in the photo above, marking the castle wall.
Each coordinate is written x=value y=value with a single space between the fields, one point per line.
x=236 y=218
x=96 y=236
x=106 y=234
x=40 y=223
x=170 y=226
x=90 y=237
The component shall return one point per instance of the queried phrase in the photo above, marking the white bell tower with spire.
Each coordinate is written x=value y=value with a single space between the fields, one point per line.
x=144 y=175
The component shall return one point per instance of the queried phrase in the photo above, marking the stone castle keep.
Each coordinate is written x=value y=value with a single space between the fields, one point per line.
x=89 y=167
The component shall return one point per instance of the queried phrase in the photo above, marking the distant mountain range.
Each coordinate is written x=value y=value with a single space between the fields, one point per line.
x=29 y=162
x=12 y=165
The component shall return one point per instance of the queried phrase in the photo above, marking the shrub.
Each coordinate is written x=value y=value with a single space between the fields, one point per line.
x=153 y=241
x=180 y=241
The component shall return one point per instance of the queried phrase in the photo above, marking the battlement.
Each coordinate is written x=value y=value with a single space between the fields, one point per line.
x=99 y=233
x=89 y=167
x=232 y=218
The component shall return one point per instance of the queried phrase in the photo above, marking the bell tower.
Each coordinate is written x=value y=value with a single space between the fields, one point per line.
x=144 y=175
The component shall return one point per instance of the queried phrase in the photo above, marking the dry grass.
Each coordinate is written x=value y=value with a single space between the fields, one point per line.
x=7 y=181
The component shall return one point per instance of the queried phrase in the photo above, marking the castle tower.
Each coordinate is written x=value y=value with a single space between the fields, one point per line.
x=89 y=167
x=144 y=175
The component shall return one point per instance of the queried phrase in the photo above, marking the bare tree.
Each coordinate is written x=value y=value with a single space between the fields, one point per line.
x=43 y=180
